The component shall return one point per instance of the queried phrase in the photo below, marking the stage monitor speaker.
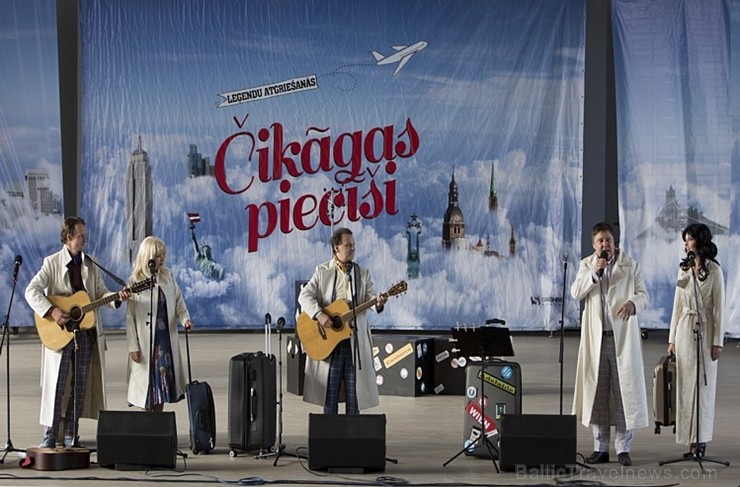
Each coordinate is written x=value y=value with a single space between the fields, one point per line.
x=346 y=443
x=544 y=441
x=131 y=440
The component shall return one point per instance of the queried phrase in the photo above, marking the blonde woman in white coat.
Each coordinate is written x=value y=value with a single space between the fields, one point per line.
x=610 y=369
x=168 y=374
x=699 y=274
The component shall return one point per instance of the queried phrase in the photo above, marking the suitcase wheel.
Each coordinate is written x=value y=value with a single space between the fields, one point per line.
x=232 y=453
x=195 y=450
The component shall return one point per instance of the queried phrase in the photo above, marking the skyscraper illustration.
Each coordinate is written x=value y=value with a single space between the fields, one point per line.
x=138 y=200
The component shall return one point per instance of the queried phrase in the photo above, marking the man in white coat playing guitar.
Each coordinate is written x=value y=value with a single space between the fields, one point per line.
x=340 y=278
x=63 y=274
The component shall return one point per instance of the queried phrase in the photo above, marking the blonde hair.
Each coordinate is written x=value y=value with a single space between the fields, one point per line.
x=149 y=248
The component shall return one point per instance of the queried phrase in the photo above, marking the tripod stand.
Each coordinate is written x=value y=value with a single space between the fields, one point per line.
x=6 y=339
x=485 y=342
x=697 y=453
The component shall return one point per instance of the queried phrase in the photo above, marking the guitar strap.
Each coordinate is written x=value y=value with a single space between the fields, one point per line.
x=118 y=280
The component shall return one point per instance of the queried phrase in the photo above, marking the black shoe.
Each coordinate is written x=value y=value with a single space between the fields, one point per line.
x=598 y=457
x=624 y=459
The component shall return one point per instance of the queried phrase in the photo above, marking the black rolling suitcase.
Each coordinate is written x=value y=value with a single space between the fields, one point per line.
x=252 y=402
x=201 y=411
x=664 y=393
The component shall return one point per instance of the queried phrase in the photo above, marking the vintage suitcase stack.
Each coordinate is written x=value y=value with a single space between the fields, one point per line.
x=201 y=411
x=502 y=393
x=404 y=365
x=449 y=368
x=664 y=393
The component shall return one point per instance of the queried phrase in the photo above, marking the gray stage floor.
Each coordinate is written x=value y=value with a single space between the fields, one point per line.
x=422 y=432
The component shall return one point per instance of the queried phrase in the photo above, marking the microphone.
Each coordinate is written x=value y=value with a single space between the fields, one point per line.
x=152 y=265
x=18 y=262
x=688 y=262
x=604 y=255
x=348 y=266
x=495 y=321
x=280 y=323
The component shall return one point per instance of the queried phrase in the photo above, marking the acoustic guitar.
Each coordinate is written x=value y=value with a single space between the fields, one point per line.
x=318 y=341
x=79 y=307
x=56 y=458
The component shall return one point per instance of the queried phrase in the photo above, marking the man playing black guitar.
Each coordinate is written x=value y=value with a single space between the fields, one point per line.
x=350 y=364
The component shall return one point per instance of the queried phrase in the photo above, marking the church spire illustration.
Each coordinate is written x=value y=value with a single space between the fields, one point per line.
x=453 y=227
x=492 y=195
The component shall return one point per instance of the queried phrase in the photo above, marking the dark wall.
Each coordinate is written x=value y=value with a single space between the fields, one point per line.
x=600 y=198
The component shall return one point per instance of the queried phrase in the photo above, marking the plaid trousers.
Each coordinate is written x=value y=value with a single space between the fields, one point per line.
x=342 y=369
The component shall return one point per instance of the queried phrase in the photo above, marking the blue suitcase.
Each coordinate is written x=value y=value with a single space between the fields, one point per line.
x=201 y=411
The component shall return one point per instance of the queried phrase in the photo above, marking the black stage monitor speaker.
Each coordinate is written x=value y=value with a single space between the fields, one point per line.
x=130 y=440
x=346 y=443
x=545 y=441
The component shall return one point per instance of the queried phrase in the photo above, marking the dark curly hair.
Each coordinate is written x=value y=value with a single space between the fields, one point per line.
x=705 y=248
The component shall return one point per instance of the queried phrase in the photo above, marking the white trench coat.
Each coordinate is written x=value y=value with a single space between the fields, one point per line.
x=683 y=321
x=626 y=283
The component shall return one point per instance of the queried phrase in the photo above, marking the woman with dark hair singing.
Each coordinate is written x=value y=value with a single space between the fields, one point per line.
x=697 y=305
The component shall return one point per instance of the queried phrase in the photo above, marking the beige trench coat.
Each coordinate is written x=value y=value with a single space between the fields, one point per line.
x=317 y=294
x=626 y=283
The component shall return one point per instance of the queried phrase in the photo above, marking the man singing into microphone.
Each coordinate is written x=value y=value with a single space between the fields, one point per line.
x=610 y=373
x=340 y=278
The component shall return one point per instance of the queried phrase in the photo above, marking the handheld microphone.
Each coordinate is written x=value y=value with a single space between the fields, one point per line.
x=18 y=262
x=604 y=255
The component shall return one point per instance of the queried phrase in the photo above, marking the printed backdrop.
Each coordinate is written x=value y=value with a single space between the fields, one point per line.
x=246 y=121
x=242 y=133
x=674 y=115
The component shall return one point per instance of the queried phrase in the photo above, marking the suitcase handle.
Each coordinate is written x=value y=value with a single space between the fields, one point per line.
x=252 y=405
x=187 y=347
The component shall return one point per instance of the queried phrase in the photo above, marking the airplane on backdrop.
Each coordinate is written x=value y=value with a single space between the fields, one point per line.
x=401 y=56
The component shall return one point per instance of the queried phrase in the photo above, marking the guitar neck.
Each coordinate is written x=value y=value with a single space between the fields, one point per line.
x=99 y=302
x=366 y=305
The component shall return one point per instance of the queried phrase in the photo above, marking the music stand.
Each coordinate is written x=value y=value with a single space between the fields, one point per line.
x=486 y=341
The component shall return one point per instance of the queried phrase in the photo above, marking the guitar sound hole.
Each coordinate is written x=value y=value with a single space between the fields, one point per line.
x=75 y=314
x=336 y=323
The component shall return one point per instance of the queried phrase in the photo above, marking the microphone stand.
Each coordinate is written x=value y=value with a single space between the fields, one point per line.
x=280 y=451
x=152 y=324
x=353 y=323
x=6 y=338
x=697 y=453
x=562 y=334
